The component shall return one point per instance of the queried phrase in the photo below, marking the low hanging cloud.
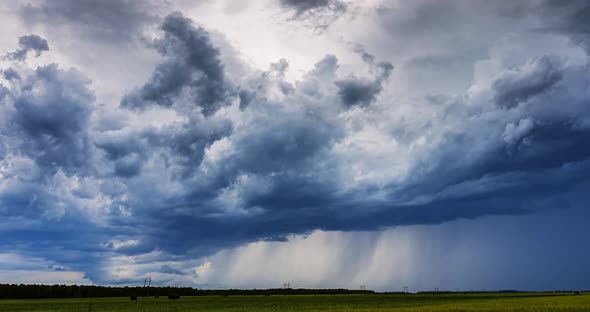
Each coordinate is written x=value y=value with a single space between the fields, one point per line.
x=419 y=257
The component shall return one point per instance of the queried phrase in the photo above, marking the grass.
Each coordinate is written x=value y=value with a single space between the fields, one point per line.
x=521 y=302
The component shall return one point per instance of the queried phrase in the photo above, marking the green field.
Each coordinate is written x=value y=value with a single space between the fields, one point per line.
x=374 y=302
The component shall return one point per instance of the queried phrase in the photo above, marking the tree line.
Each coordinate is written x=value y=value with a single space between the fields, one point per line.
x=25 y=291
x=22 y=291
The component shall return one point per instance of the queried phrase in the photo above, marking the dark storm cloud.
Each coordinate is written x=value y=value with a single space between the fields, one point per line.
x=530 y=171
x=192 y=66
x=272 y=166
x=306 y=208
x=26 y=44
x=47 y=111
x=513 y=87
x=52 y=109
x=300 y=196
x=360 y=91
x=511 y=179
x=546 y=171
x=285 y=155
x=190 y=78
x=118 y=20
x=511 y=161
x=289 y=160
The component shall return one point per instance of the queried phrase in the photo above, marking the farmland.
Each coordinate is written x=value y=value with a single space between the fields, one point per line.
x=523 y=302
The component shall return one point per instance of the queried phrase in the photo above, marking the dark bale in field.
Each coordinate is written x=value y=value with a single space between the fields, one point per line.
x=133 y=298
x=174 y=296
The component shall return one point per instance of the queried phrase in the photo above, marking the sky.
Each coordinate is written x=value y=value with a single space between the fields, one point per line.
x=323 y=143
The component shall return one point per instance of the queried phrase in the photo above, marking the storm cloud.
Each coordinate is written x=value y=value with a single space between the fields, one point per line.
x=208 y=156
x=51 y=112
x=193 y=68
